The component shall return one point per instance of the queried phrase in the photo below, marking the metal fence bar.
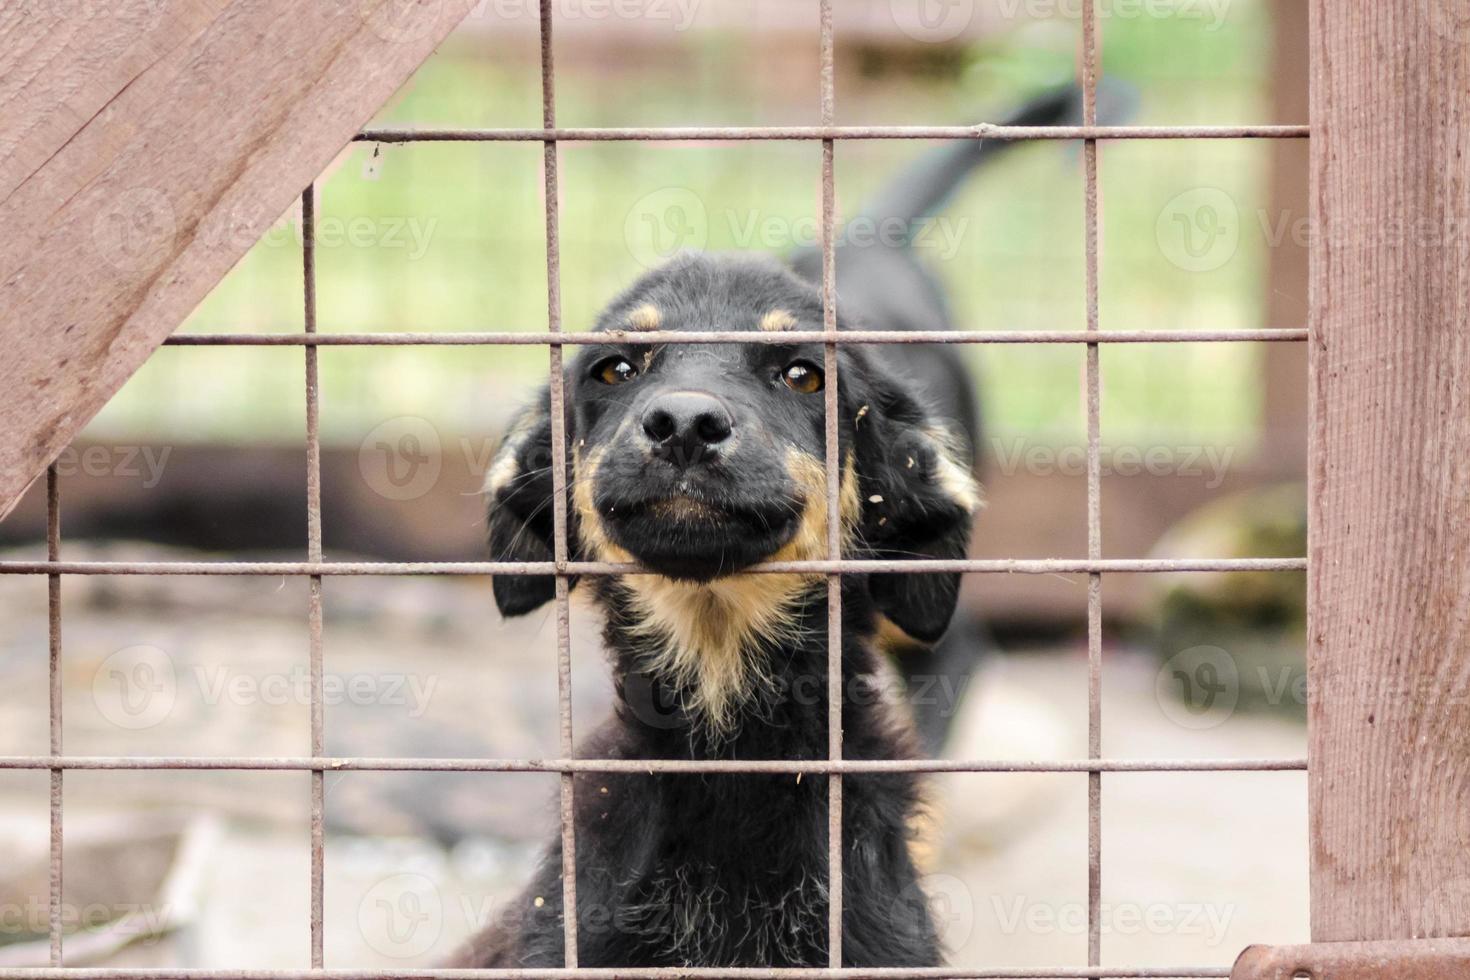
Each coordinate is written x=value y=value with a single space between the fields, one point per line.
x=915 y=566
x=833 y=464
x=686 y=766
x=620 y=973
x=314 y=554
x=53 y=613
x=567 y=806
x=721 y=133
x=465 y=338
x=1089 y=58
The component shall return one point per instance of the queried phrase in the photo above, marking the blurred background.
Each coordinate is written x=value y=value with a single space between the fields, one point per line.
x=201 y=456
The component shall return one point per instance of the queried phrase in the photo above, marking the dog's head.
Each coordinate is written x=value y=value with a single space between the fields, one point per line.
x=699 y=460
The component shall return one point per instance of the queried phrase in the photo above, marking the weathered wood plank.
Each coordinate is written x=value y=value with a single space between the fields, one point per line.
x=61 y=63
x=148 y=144
x=1389 y=602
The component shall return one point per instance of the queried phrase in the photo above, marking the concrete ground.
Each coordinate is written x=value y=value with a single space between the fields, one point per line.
x=1195 y=865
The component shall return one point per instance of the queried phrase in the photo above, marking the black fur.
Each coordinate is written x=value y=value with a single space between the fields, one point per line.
x=711 y=870
x=520 y=521
x=731 y=870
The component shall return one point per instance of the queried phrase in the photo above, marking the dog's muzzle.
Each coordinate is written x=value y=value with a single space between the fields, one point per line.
x=686 y=428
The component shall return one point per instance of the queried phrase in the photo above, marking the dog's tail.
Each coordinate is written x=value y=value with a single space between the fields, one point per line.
x=919 y=191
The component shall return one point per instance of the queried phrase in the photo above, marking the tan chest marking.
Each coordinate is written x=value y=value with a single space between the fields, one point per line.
x=713 y=639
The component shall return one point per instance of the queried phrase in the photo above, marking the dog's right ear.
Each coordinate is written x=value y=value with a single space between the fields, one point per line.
x=920 y=499
x=518 y=486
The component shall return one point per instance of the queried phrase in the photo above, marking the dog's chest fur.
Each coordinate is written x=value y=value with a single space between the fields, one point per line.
x=731 y=869
x=725 y=875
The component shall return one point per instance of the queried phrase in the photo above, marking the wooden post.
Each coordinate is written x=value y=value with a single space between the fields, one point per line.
x=1389 y=594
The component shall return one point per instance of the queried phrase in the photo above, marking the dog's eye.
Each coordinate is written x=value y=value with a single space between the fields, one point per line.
x=803 y=376
x=614 y=371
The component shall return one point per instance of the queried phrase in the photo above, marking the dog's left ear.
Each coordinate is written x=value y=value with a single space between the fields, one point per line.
x=919 y=498
x=518 y=486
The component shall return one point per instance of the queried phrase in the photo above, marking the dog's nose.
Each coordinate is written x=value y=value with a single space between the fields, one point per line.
x=685 y=426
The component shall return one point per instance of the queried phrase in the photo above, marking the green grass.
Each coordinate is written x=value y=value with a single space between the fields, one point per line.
x=478 y=261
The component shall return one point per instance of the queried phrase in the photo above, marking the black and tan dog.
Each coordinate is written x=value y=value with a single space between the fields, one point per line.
x=697 y=461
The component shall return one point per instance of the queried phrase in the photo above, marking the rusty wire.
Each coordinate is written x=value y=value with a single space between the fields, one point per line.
x=785 y=337
x=828 y=133
x=314 y=554
x=909 y=566
x=557 y=392
x=687 y=766
x=53 y=668
x=1088 y=59
x=833 y=467
x=316 y=568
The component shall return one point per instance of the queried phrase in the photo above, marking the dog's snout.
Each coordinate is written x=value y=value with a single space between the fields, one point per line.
x=686 y=426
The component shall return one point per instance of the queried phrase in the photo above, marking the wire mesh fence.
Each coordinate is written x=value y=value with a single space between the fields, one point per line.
x=564 y=568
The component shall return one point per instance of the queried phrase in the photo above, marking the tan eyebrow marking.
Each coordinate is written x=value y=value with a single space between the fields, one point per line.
x=645 y=317
x=778 y=320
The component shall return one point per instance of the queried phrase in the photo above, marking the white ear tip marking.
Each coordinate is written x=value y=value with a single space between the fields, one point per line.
x=501 y=473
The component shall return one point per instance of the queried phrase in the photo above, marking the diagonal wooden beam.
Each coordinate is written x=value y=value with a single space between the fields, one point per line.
x=147 y=145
